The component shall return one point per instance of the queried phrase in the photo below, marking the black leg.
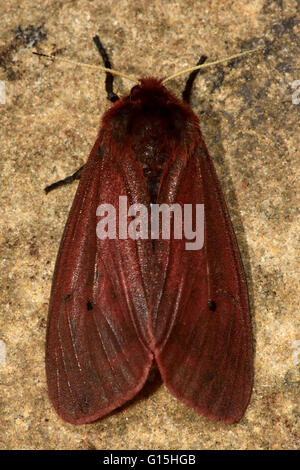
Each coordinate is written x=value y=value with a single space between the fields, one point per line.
x=67 y=180
x=186 y=94
x=111 y=96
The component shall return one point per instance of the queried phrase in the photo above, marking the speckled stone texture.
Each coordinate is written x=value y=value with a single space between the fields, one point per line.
x=47 y=128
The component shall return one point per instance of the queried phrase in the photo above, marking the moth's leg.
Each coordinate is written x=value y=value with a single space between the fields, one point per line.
x=109 y=80
x=67 y=180
x=186 y=94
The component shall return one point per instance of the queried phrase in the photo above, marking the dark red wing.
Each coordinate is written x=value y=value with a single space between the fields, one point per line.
x=200 y=319
x=96 y=355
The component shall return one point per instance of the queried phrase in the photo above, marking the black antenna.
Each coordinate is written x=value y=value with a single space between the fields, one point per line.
x=111 y=96
x=186 y=94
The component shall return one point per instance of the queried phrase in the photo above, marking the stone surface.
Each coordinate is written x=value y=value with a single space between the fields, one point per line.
x=47 y=127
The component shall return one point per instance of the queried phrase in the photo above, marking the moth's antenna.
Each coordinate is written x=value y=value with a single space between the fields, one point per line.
x=202 y=66
x=97 y=67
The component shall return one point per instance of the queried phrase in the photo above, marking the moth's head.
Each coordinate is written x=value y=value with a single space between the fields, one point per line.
x=149 y=90
x=149 y=109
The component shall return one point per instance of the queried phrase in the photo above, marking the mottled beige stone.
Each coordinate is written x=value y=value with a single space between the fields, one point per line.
x=249 y=122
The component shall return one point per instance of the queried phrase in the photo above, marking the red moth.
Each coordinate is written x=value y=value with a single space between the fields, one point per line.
x=118 y=306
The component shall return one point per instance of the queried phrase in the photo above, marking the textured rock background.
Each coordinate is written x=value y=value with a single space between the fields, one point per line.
x=47 y=127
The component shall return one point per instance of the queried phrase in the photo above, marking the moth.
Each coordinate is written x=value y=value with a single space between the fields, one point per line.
x=120 y=305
